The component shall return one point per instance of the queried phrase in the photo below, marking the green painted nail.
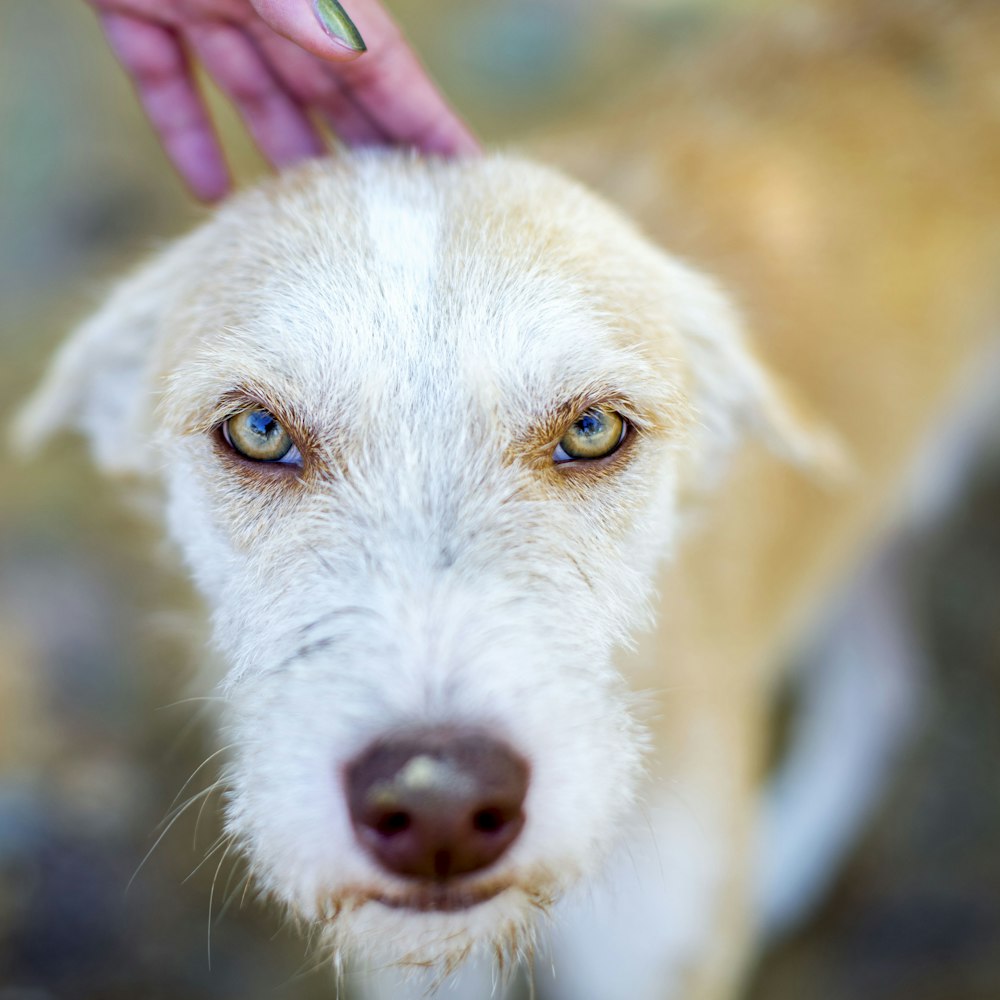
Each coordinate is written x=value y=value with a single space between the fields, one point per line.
x=338 y=25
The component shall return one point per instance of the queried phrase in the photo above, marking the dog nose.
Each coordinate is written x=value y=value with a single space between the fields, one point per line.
x=437 y=803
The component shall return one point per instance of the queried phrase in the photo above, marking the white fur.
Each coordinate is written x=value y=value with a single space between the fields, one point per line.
x=423 y=321
x=639 y=929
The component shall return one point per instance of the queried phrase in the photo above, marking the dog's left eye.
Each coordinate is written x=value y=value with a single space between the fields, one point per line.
x=257 y=435
x=596 y=434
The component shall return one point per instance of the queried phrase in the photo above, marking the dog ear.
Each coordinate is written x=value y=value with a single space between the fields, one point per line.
x=734 y=394
x=103 y=379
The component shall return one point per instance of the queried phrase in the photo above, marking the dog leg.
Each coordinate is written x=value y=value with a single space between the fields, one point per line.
x=860 y=694
x=858 y=706
x=643 y=929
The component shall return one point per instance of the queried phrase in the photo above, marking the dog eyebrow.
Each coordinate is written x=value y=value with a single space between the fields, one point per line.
x=243 y=396
x=561 y=417
x=652 y=412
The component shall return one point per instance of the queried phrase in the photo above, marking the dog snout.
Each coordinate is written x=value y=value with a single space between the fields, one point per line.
x=437 y=804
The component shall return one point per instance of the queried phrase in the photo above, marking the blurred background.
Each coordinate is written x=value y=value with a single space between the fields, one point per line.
x=98 y=635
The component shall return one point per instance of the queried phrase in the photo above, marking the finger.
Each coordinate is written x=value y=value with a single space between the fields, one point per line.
x=313 y=83
x=279 y=126
x=297 y=20
x=350 y=124
x=387 y=83
x=154 y=59
x=391 y=86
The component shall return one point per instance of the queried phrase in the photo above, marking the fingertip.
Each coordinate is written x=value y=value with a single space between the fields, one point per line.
x=335 y=22
x=202 y=169
x=449 y=137
x=463 y=143
x=321 y=27
x=209 y=189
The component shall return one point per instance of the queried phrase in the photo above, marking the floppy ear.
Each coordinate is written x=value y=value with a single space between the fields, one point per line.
x=734 y=394
x=103 y=380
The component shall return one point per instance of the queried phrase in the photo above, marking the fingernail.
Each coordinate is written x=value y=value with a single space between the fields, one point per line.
x=338 y=25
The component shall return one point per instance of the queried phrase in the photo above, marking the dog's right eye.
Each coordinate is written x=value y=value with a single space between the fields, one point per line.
x=596 y=434
x=257 y=435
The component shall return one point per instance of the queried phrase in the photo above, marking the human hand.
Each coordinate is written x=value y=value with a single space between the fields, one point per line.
x=278 y=61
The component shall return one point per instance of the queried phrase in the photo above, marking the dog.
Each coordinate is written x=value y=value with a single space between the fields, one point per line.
x=506 y=525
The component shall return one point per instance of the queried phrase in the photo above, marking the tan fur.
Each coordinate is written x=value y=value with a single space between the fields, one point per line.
x=838 y=168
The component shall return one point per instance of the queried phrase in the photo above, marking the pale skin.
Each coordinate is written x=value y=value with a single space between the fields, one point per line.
x=283 y=71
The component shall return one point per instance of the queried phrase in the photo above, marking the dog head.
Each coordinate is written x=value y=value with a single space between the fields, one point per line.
x=422 y=430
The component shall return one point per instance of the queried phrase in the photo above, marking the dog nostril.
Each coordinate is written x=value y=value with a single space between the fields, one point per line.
x=437 y=804
x=392 y=823
x=488 y=820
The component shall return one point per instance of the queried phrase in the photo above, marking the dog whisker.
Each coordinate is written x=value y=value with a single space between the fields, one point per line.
x=321 y=958
x=222 y=840
x=166 y=829
x=195 y=772
x=210 y=699
x=231 y=895
x=229 y=841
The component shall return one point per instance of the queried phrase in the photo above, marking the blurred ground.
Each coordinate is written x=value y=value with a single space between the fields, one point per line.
x=96 y=645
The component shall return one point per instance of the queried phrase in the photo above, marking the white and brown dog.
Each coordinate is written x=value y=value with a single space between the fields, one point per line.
x=438 y=441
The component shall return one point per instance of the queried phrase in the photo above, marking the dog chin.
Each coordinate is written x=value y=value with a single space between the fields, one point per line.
x=435 y=926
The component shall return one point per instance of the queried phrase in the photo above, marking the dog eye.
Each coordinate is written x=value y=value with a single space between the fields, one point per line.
x=597 y=433
x=257 y=435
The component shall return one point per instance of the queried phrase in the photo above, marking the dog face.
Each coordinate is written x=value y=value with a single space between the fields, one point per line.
x=422 y=431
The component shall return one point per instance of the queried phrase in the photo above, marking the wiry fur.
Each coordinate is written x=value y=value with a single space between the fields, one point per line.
x=427 y=332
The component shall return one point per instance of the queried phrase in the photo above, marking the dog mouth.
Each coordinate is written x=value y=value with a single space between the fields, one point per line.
x=438 y=897
x=434 y=896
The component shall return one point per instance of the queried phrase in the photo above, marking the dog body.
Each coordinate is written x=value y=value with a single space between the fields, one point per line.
x=426 y=563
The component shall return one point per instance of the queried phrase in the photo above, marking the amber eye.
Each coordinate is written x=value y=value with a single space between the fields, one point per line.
x=257 y=435
x=595 y=434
